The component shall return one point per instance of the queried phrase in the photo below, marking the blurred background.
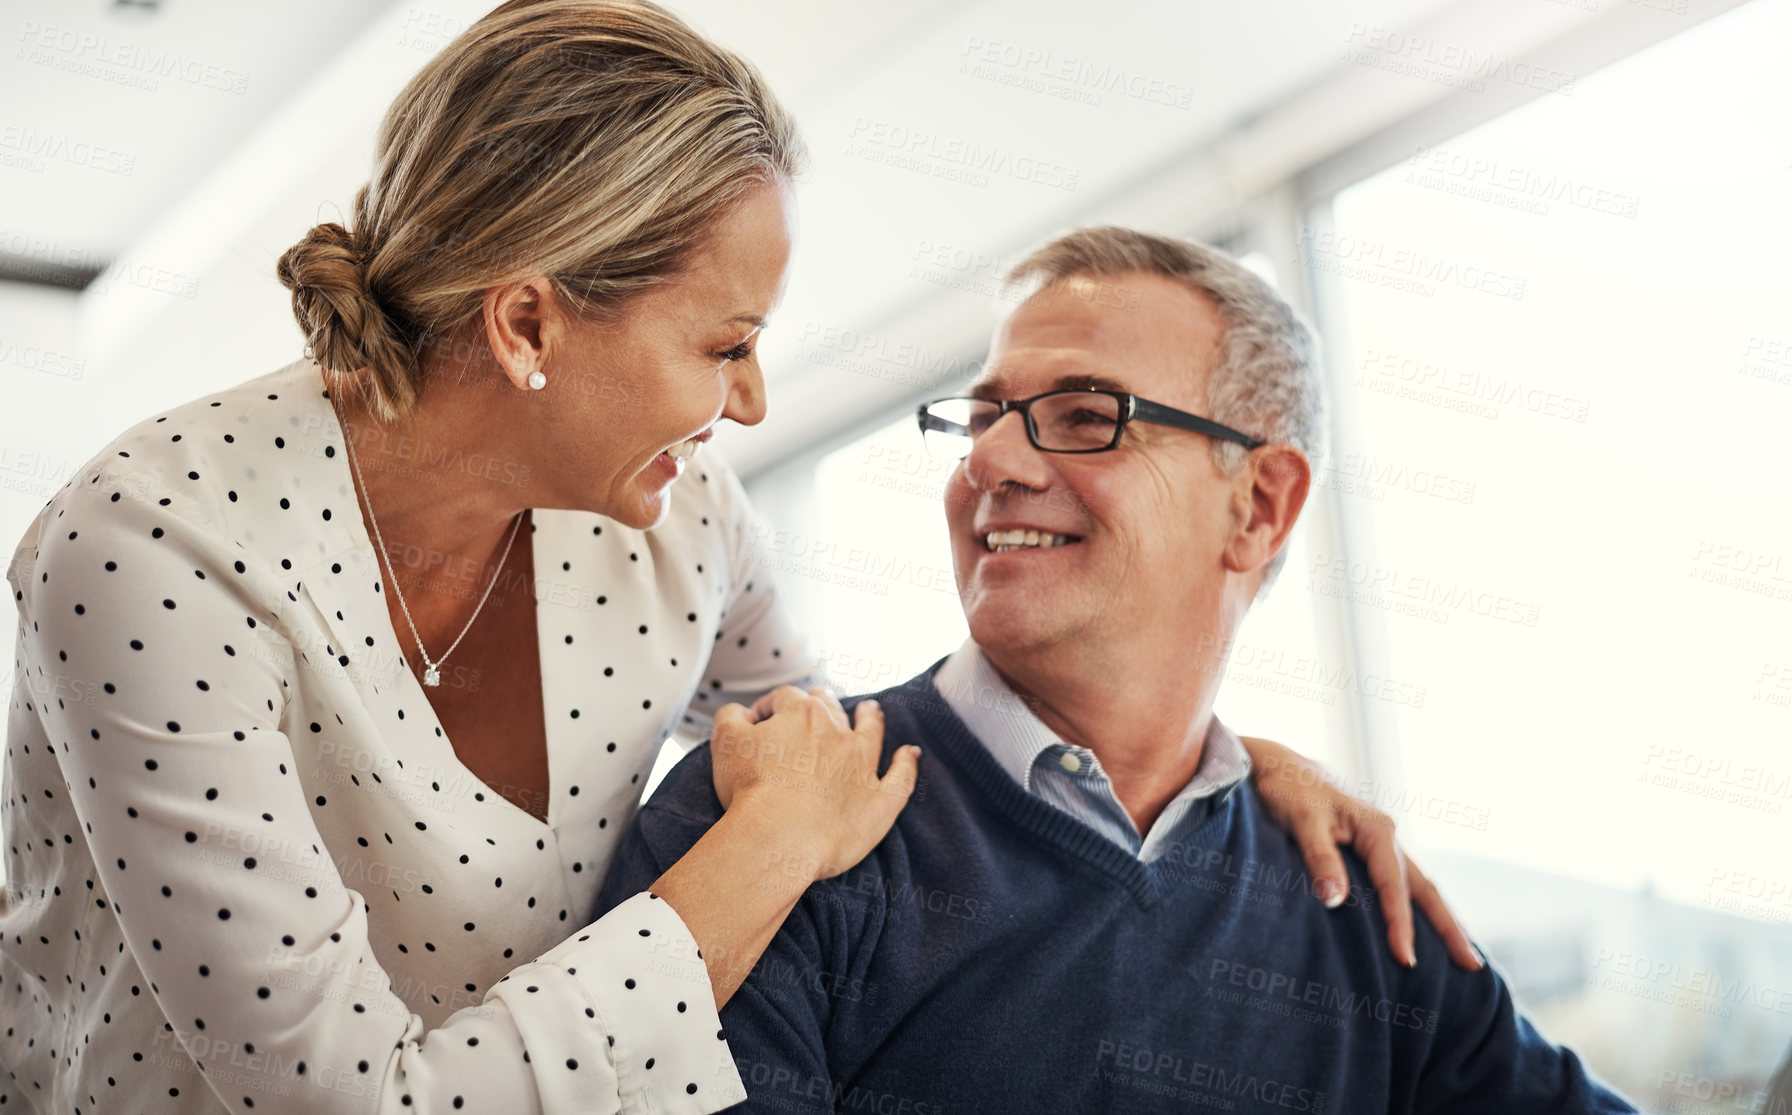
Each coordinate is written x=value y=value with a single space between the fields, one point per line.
x=1538 y=606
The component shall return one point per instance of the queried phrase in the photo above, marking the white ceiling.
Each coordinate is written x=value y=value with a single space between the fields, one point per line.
x=115 y=153
x=222 y=182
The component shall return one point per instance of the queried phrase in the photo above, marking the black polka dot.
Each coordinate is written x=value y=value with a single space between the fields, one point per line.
x=218 y=775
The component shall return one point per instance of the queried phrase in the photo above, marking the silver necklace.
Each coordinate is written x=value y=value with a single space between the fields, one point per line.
x=432 y=670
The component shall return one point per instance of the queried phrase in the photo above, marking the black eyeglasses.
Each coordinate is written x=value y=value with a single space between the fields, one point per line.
x=1076 y=421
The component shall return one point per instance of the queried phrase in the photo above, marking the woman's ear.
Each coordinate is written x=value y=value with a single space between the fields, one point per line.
x=521 y=320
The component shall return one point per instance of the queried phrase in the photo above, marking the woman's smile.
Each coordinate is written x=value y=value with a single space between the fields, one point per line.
x=675 y=456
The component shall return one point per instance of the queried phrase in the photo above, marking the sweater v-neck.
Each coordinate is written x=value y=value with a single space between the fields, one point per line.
x=943 y=729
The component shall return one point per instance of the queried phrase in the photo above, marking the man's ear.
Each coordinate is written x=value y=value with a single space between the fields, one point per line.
x=1279 y=477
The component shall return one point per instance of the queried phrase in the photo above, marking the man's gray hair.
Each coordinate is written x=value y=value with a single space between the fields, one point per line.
x=1266 y=381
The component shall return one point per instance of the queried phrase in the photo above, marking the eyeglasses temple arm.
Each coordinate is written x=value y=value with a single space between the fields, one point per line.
x=931 y=421
x=1169 y=416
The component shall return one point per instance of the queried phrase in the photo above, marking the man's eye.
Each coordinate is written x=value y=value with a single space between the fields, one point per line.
x=738 y=352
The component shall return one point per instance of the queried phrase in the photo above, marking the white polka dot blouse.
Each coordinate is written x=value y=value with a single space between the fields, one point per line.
x=245 y=871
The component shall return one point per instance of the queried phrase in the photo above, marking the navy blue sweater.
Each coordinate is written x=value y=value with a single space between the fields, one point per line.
x=993 y=954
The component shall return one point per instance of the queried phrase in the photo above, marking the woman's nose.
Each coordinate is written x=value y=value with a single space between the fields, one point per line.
x=746 y=394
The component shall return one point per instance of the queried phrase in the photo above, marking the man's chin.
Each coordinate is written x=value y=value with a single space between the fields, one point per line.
x=1005 y=621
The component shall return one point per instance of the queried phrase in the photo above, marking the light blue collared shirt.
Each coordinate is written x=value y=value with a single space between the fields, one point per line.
x=1069 y=776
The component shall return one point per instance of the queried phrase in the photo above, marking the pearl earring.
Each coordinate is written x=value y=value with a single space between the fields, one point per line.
x=537 y=380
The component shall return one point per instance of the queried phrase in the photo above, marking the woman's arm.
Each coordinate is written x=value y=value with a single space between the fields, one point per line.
x=758 y=644
x=237 y=914
x=803 y=801
x=1303 y=798
x=786 y=825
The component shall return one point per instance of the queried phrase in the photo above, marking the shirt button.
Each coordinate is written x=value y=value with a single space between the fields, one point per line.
x=1070 y=762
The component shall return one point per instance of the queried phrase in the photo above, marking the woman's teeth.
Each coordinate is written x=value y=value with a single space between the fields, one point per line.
x=685 y=450
x=1000 y=541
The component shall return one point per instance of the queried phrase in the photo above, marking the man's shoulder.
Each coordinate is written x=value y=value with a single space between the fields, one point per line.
x=913 y=711
x=687 y=792
x=1277 y=861
x=1252 y=854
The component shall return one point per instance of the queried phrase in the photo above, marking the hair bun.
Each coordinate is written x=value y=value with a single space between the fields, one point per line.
x=346 y=328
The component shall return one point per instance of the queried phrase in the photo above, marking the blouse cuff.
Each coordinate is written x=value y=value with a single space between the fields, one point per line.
x=651 y=995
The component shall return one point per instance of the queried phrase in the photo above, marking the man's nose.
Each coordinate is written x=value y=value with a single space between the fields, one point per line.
x=746 y=394
x=1003 y=454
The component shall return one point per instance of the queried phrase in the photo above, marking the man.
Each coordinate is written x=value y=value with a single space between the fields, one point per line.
x=1084 y=906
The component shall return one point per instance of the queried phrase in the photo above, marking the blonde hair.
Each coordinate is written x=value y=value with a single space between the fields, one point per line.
x=592 y=141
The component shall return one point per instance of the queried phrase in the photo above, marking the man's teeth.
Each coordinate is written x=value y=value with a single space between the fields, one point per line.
x=685 y=450
x=1000 y=541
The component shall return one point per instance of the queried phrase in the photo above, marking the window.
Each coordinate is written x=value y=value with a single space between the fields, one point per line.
x=1563 y=368
x=883 y=565
x=1536 y=605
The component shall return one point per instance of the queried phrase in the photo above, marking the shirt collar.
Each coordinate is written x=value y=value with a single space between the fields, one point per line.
x=1019 y=740
x=994 y=713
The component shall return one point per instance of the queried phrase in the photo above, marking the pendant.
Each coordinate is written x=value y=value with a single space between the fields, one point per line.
x=432 y=676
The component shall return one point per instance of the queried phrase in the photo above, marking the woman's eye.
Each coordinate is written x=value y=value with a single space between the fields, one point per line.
x=738 y=352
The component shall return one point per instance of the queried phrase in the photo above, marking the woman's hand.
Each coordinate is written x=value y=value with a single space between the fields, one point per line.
x=1301 y=797
x=793 y=760
x=801 y=801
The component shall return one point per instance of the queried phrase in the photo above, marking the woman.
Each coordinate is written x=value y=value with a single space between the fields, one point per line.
x=326 y=741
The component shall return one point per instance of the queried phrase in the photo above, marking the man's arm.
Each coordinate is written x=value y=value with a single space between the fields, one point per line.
x=775 y=1025
x=1488 y=1057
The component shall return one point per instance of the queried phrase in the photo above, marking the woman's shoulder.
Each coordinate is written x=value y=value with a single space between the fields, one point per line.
x=192 y=468
x=283 y=409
